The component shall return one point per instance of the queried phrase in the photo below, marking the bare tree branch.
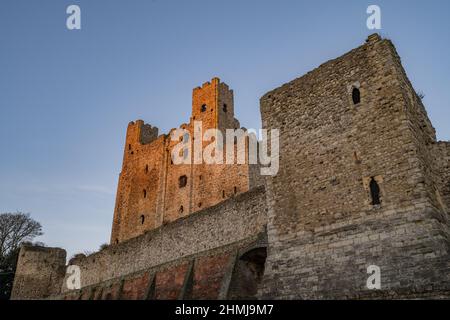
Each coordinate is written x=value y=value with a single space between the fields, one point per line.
x=16 y=228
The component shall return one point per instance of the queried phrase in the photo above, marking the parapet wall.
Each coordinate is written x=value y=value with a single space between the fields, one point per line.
x=237 y=221
x=193 y=257
x=212 y=274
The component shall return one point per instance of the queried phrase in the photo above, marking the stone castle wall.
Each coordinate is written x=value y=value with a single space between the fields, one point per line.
x=40 y=272
x=362 y=182
x=211 y=241
x=324 y=230
x=205 y=275
x=441 y=153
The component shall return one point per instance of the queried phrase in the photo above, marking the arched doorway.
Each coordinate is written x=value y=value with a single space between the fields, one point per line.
x=247 y=274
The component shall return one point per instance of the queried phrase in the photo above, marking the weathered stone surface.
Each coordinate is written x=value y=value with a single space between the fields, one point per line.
x=324 y=230
x=234 y=220
x=149 y=192
x=362 y=182
x=39 y=272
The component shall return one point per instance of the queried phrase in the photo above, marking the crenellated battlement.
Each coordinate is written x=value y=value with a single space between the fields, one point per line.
x=153 y=191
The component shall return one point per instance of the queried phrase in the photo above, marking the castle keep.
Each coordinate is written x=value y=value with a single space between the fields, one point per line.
x=362 y=181
x=153 y=191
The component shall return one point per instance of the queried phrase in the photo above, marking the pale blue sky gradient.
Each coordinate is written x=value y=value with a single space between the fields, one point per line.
x=66 y=96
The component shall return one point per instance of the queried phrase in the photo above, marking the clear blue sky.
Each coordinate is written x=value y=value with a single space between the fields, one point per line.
x=66 y=96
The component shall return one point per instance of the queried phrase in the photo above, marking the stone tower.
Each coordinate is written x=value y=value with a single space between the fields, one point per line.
x=363 y=186
x=362 y=182
x=153 y=191
x=40 y=272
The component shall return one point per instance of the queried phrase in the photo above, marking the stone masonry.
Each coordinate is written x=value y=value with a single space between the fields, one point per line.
x=349 y=122
x=151 y=191
x=362 y=182
x=40 y=272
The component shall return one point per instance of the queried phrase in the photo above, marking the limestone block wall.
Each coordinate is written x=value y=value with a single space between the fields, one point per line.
x=446 y=174
x=206 y=275
x=352 y=128
x=441 y=153
x=40 y=272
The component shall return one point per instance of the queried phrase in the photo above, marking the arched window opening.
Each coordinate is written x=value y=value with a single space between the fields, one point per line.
x=223 y=193
x=374 y=192
x=356 y=96
x=225 y=108
x=145 y=193
x=203 y=108
x=235 y=190
x=181 y=209
x=146 y=168
x=247 y=274
x=142 y=219
x=182 y=181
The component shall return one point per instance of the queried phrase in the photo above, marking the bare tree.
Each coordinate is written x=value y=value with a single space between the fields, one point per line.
x=16 y=228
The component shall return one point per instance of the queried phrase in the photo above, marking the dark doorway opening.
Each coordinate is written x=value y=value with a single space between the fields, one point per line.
x=247 y=274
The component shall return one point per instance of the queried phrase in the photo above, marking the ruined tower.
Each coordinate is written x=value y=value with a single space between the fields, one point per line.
x=362 y=185
x=153 y=190
x=40 y=272
x=362 y=182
